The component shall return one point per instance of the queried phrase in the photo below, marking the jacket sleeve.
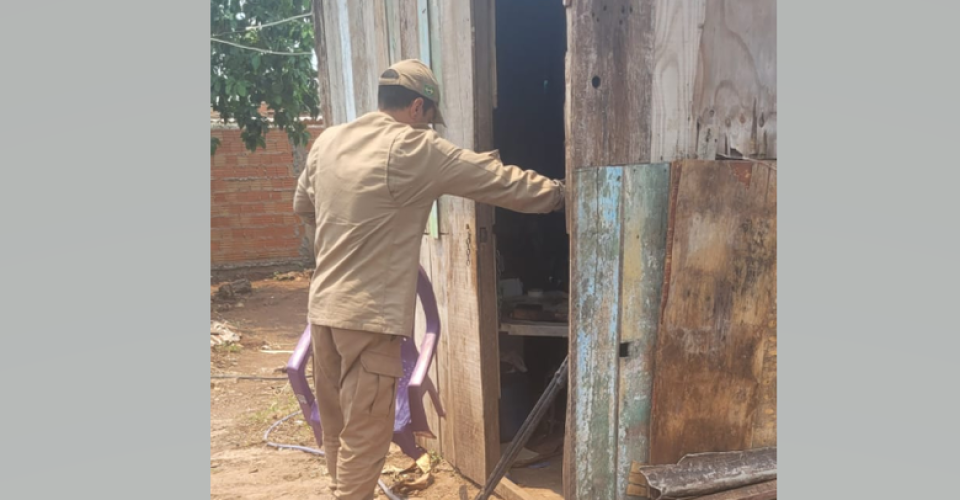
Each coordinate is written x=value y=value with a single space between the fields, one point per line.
x=478 y=176
x=303 y=201
x=304 y=204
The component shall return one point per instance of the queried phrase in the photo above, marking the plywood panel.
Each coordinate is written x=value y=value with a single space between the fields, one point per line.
x=735 y=96
x=677 y=28
x=609 y=76
x=645 y=199
x=592 y=426
x=719 y=291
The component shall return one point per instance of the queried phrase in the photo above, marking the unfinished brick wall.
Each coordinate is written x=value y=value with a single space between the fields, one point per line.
x=252 y=225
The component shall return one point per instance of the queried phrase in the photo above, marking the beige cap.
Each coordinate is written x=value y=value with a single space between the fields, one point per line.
x=414 y=75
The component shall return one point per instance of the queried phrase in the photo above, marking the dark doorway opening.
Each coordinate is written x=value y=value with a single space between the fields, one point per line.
x=533 y=256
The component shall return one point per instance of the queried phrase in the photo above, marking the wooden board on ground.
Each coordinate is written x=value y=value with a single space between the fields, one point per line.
x=508 y=490
x=718 y=293
x=761 y=491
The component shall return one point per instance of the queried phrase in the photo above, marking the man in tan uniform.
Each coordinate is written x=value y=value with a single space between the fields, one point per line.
x=368 y=187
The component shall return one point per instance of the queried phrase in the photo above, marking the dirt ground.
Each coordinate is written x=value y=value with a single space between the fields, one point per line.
x=242 y=466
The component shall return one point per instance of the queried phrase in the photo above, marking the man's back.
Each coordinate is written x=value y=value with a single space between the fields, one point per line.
x=364 y=238
x=369 y=185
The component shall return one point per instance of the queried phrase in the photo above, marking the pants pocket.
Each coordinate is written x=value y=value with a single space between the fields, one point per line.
x=381 y=374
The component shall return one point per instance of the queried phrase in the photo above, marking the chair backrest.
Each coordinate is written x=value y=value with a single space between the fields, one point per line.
x=411 y=415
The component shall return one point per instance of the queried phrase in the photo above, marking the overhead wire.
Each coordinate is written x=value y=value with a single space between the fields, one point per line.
x=257 y=49
x=264 y=25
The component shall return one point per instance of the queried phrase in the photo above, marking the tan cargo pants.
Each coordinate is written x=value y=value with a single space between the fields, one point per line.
x=355 y=376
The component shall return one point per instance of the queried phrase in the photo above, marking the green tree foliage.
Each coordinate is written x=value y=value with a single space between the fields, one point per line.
x=243 y=78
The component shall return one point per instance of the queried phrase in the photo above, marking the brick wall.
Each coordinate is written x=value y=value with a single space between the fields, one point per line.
x=252 y=225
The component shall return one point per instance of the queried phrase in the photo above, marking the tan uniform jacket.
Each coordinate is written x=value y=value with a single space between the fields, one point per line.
x=369 y=185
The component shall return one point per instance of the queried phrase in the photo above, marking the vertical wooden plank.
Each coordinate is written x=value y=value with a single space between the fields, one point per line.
x=448 y=440
x=583 y=199
x=369 y=52
x=320 y=31
x=719 y=293
x=391 y=11
x=645 y=200
x=346 y=59
x=409 y=30
x=435 y=422
x=488 y=307
x=573 y=193
x=491 y=44
x=466 y=361
x=381 y=33
x=609 y=77
x=426 y=56
x=765 y=427
x=485 y=75
x=595 y=331
x=735 y=96
x=423 y=30
x=473 y=375
x=432 y=52
x=435 y=46
x=677 y=27
x=329 y=62
x=441 y=284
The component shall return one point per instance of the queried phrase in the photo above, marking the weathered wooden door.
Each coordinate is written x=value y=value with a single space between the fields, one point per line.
x=669 y=343
x=357 y=41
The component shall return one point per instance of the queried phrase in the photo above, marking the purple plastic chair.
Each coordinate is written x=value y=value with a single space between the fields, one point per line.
x=411 y=419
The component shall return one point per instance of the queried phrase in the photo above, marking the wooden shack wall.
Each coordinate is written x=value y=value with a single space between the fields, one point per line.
x=648 y=82
x=356 y=41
